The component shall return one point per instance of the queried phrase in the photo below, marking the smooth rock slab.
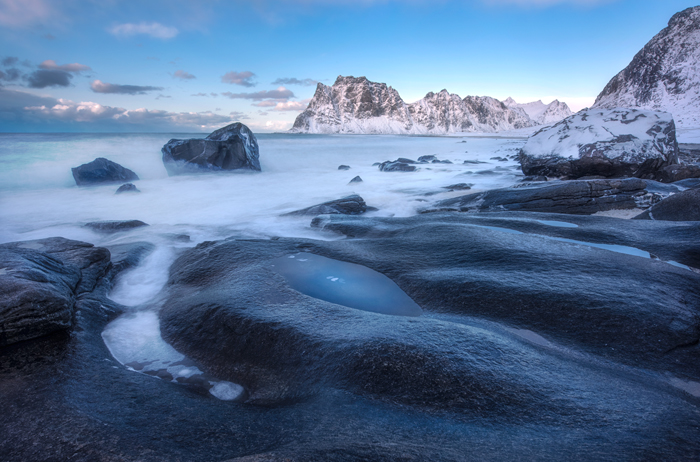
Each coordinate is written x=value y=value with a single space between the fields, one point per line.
x=233 y=147
x=39 y=283
x=581 y=197
x=611 y=143
x=101 y=171
x=682 y=206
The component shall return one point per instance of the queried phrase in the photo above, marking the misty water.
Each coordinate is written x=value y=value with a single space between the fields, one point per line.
x=39 y=199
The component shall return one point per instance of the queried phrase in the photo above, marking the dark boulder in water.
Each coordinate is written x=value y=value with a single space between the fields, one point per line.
x=115 y=226
x=343 y=167
x=39 y=283
x=127 y=188
x=397 y=166
x=459 y=187
x=101 y=171
x=233 y=147
x=682 y=206
x=427 y=158
x=350 y=205
x=581 y=197
x=357 y=179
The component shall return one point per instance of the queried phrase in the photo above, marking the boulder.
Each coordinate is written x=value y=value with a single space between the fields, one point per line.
x=611 y=143
x=682 y=206
x=582 y=197
x=127 y=188
x=677 y=172
x=343 y=167
x=459 y=187
x=233 y=147
x=101 y=171
x=426 y=159
x=357 y=179
x=114 y=226
x=39 y=283
x=399 y=165
x=350 y=205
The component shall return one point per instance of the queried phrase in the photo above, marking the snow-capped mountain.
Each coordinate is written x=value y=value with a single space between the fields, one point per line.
x=356 y=105
x=540 y=113
x=664 y=75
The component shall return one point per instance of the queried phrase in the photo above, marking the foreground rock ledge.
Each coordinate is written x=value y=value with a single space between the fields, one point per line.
x=233 y=147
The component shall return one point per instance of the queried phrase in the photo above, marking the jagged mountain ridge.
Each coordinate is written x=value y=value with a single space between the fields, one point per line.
x=664 y=75
x=540 y=113
x=357 y=105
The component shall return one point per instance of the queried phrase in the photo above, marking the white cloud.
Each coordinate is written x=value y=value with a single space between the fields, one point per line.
x=291 y=105
x=280 y=93
x=89 y=112
x=537 y=3
x=244 y=78
x=22 y=13
x=154 y=29
x=180 y=74
x=51 y=65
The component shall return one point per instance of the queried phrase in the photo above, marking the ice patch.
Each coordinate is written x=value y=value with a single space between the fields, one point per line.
x=226 y=391
x=357 y=286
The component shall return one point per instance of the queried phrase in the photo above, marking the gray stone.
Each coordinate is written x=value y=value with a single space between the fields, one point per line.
x=233 y=147
x=350 y=205
x=102 y=171
x=127 y=188
x=114 y=226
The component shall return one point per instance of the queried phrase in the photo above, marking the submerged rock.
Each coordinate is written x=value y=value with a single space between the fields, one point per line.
x=350 y=205
x=399 y=165
x=127 y=188
x=611 y=143
x=357 y=179
x=233 y=147
x=581 y=197
x=114 y=226
x=343 y=167
x=682 y=206
x=101 y=171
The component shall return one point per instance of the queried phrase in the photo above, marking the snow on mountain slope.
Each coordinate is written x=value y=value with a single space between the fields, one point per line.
x=664 y=75
x=356 y=105
x=542 y=114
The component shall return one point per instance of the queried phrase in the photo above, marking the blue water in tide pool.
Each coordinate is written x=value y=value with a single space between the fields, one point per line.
x=346 y=284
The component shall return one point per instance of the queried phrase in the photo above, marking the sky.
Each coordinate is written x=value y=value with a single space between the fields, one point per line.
x=194 y=66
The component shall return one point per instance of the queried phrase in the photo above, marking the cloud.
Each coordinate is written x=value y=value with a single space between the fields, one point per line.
x=291 y=106
x=49 y=78
x=161 y=96
x=183 y=75
x=152 y=58
x=268 y=103
x=280 y=93
x=23 y=13
x=154 y=29
x=200 y=94
x=51 y=65
x=49 y=37
x=295 y=81
x=10 y=61
x=104 y=87
x=10 y=75
x=239 y=115
x=239 y=78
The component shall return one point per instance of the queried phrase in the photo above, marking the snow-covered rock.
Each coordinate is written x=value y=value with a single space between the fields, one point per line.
x=357 y=105
x=603 y=142
x=540 y=113
x=664 y=75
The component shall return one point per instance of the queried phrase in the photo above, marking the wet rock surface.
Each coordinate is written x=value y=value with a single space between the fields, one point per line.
x=580 y=197
x=127 y=188
x=683 y=206
x=114 y=226
x=527 y=348
x=101 y=171
x=233 y=147
x=350 y=205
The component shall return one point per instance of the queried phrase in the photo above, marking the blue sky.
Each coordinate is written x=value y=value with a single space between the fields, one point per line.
x=182 y=65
